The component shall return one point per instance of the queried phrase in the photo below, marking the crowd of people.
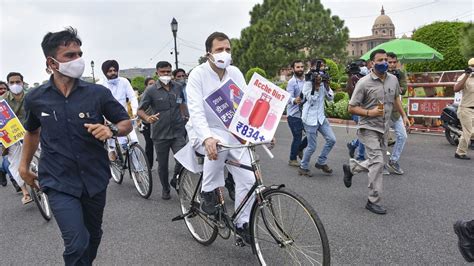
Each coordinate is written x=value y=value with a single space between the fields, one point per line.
x=66 y=117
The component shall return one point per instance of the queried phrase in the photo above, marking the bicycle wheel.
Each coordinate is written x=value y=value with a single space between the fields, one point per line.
x=117 y=171
x=140 y=171
x=202 y=230
x=40 y=198
x=286 y=230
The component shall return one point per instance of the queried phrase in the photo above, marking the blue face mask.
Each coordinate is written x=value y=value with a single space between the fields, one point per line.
x=381 y=68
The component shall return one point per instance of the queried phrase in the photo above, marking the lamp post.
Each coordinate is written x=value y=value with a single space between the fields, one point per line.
x=92 y=66
x=174 y=29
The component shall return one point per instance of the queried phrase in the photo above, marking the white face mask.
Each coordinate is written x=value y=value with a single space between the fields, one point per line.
x=72 y=69
x=16 y=88
x=222 y=60
x=113 y=81
x=364 y=70
x=165 y=79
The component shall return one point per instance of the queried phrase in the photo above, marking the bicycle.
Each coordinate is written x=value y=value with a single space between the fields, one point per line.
x=275 y=238
x=38 y=196
x=132 y=157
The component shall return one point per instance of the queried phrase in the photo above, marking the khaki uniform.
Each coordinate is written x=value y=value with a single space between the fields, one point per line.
x=466 y=114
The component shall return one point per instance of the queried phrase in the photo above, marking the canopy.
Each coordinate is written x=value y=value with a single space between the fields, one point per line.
x=407 y=51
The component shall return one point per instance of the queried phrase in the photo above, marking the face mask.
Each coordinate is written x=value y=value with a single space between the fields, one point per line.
x=181 y=82
x=165 y=79
x=16 y=88
x=72 y=69
x=222 y=60
x=364 y=70
x=113 y=81
x=381 y=68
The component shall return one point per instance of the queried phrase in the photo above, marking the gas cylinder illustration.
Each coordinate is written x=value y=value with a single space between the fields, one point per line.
x=246 y=108
x=270 y=121
x=4 y=136
x=260 y=111
x=4 y=111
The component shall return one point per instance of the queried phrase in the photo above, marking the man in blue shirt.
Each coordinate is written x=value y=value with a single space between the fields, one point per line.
x=293 y=111
x=67 y=115
x=314 y=120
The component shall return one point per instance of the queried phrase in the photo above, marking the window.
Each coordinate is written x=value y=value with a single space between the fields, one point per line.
x=352 y=52
x=391 y=33
x=361 y=53
x=383 y=32
x=376 y=32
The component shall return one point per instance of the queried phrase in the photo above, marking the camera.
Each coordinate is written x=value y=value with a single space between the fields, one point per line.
x=395 y=72
x=353 y=68
x=317 y=72
x=468 y=70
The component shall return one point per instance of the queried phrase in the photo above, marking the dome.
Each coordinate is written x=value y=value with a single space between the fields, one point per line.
x=383 y=20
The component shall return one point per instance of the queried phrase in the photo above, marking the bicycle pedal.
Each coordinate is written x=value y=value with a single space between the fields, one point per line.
x=239 y=242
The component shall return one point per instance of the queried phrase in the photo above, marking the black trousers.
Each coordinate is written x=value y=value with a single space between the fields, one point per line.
x=148 y=143
x=80 y=222
x=162 y=148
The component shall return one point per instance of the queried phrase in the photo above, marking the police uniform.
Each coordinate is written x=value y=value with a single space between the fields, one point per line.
x=74 y=168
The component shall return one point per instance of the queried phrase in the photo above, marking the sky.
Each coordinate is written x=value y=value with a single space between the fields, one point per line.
x=138 y=33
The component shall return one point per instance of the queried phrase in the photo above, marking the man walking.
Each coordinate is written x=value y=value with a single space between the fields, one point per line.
x=66 y=115
x=293 y=111
x=315 y=92
x=465 y=110
x=396 y=121
x=373 y=100
x=166 y=100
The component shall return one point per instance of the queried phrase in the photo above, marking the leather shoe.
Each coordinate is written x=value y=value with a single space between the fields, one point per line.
x=462 y=157
x=347 y=175
x=165 y=195
x=465 y=241
x=375 y=208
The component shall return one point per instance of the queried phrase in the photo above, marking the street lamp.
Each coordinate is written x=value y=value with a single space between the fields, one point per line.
x=92 y=66
x=174 y=29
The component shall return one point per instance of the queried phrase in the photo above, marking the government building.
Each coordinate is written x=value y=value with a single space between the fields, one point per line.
x=383 y=30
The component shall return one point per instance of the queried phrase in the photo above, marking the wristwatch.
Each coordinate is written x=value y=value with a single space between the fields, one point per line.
x=114 y=130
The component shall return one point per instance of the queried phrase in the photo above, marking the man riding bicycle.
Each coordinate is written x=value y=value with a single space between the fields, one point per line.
x=205 y=129
x=121 y=90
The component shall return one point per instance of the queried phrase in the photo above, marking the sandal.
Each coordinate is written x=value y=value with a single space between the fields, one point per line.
x=26 y=199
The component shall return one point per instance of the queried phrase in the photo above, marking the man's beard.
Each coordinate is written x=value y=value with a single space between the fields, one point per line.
x=112 y=77
x=299 y=74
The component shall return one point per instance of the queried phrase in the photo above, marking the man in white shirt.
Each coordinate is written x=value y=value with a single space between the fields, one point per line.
x=122 y=91
x=205 y=129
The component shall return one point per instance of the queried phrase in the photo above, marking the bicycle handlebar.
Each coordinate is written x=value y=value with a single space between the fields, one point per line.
x=248 y=145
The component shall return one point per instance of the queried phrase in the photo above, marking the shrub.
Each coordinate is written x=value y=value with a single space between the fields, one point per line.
x=340 y=109
x=249 y=73
x=340 y=96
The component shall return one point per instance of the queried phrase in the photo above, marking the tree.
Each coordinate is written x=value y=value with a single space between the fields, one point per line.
x=281 y=31
x=444 y=37
x=139 y=84
x=467 y=41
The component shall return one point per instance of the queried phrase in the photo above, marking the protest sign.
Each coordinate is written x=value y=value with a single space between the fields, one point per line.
x=11 y=129
x=225 y=100
x=259 y=111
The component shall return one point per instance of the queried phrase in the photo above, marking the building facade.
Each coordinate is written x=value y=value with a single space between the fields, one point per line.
x=383 y=30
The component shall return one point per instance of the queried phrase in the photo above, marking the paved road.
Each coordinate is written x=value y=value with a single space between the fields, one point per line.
x=422 y=205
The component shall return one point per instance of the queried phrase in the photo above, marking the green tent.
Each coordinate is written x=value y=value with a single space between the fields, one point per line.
x=407 y=51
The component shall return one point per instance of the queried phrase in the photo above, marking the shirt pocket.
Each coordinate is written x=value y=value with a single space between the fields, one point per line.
x=52 y=127
x=162 y=104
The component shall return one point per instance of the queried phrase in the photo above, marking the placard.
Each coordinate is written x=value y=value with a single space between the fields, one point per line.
x=11 y=130
x=259 y=111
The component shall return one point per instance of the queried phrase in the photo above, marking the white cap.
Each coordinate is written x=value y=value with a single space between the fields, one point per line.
x=471 y=62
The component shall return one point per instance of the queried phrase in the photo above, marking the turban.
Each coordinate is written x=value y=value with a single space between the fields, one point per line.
x=108 y=64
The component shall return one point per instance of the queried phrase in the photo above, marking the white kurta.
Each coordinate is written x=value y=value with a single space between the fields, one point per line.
x=122 y=90
x=203 y=123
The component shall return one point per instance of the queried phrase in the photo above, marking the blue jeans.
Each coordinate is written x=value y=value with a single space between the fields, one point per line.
x=296 y=127
x=401 y=135
x=312 y=134
x=357 y=144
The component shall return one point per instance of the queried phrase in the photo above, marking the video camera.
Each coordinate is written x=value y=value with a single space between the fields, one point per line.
x=316 y=72
x=396 y=73
x=353 y=68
